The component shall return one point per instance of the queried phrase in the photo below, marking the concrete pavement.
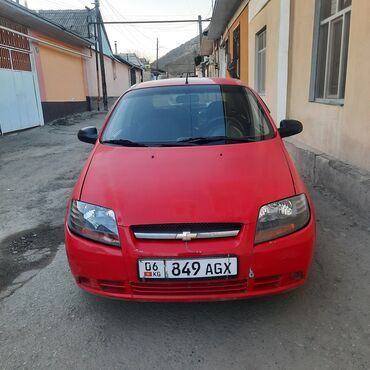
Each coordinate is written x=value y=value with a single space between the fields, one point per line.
x=46 y=322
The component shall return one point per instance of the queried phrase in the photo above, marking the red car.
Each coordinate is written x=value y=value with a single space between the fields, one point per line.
x=189 y=195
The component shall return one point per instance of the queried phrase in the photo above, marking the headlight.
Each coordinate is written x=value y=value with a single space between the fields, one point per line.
x=93 y=222
x=282 y=218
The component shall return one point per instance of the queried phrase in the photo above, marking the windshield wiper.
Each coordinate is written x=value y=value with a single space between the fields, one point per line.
x=183 y=141
x=212 y=139
x=123 y=142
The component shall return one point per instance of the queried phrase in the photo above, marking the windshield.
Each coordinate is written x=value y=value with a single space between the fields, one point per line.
x=187 y=115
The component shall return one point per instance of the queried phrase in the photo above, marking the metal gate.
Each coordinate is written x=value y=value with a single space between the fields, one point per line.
x=20 y=105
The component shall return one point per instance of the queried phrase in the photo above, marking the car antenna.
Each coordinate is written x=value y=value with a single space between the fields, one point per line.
x=187 y=78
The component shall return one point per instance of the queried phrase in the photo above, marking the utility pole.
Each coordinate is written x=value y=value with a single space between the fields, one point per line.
x=99 y=22
x=115 y=48
x=157 y=64
x=97 y=67
x=200 y=39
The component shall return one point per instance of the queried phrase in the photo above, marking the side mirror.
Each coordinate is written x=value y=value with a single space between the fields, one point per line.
x=290 y=127
x=88 y=134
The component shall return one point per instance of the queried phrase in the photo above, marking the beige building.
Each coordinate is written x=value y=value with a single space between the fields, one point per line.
x=328 y=73
x=309 y=60
x=226 y=41
x=117 y=71
x=329 y=77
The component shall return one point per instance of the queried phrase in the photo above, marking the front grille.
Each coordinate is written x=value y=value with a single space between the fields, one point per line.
x=186 y=231
x=189 y=288
x=192 y=227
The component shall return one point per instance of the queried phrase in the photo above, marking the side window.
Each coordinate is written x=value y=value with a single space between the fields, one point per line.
x=330 y=56
x=260 y=70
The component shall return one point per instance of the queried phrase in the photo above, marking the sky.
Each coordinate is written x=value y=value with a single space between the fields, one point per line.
x=141 y=38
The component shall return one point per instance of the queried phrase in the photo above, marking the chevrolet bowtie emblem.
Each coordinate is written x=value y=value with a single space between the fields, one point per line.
x=186 y=236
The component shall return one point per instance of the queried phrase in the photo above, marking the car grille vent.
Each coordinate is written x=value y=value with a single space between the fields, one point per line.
x=112 y=286
x=267 y=282
x=186 y=231
x=190 y=288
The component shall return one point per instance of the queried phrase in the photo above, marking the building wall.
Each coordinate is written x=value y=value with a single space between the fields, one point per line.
x=63 y=74
x=118 y=85
x=221 y=62
x=267 y=17
x=117 y=82
x=241 y=20
x=138 y=76
x=340 y=131
x=211 y=68
x=61 y=78
x=147 y=75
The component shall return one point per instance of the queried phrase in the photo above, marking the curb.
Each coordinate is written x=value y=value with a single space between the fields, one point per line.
x=74 y=118
x=349 y=183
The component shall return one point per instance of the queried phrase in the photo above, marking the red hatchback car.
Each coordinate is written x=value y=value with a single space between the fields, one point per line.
x=189 y=195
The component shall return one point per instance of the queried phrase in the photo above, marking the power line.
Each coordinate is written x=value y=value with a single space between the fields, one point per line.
x=164 y=30
x=138 y=29
x=120 y=14
x=156 y=21
x=210 y=10
x=165 y=15
x=130 y=23
x=117 y=12
x=117 y=27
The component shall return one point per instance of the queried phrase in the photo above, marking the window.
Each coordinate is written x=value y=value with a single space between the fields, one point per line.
x=168 y=115
x=14 y=50
x=332 y=49
x=132 y=76
x=236 y=52
x=260 y=72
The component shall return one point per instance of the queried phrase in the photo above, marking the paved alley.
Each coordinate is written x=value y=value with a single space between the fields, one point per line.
x=47 y=322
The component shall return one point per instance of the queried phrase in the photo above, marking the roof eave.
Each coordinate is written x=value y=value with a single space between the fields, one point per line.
x=22 y=15
x=133 y=65
x=222 y=13
x=122 y=60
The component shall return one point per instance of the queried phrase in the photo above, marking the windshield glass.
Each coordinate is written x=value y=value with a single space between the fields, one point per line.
x=193 y=115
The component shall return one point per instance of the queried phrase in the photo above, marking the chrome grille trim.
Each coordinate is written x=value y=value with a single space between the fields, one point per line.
x=159 y=236
x=187 y=236
x=218 y=234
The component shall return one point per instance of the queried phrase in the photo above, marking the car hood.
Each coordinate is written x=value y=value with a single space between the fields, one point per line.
x=214 y=183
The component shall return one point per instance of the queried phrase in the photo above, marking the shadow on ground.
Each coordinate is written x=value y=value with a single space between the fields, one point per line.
x=29 y=250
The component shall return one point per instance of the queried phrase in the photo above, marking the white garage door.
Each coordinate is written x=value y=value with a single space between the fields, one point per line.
x=20 y=105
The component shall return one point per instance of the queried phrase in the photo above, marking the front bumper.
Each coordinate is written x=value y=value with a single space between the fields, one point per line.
x=265 y=269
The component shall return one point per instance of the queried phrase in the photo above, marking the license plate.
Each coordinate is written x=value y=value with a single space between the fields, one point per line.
x=194 y=268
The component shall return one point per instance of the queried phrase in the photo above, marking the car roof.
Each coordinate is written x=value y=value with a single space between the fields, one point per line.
x=191 y=81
